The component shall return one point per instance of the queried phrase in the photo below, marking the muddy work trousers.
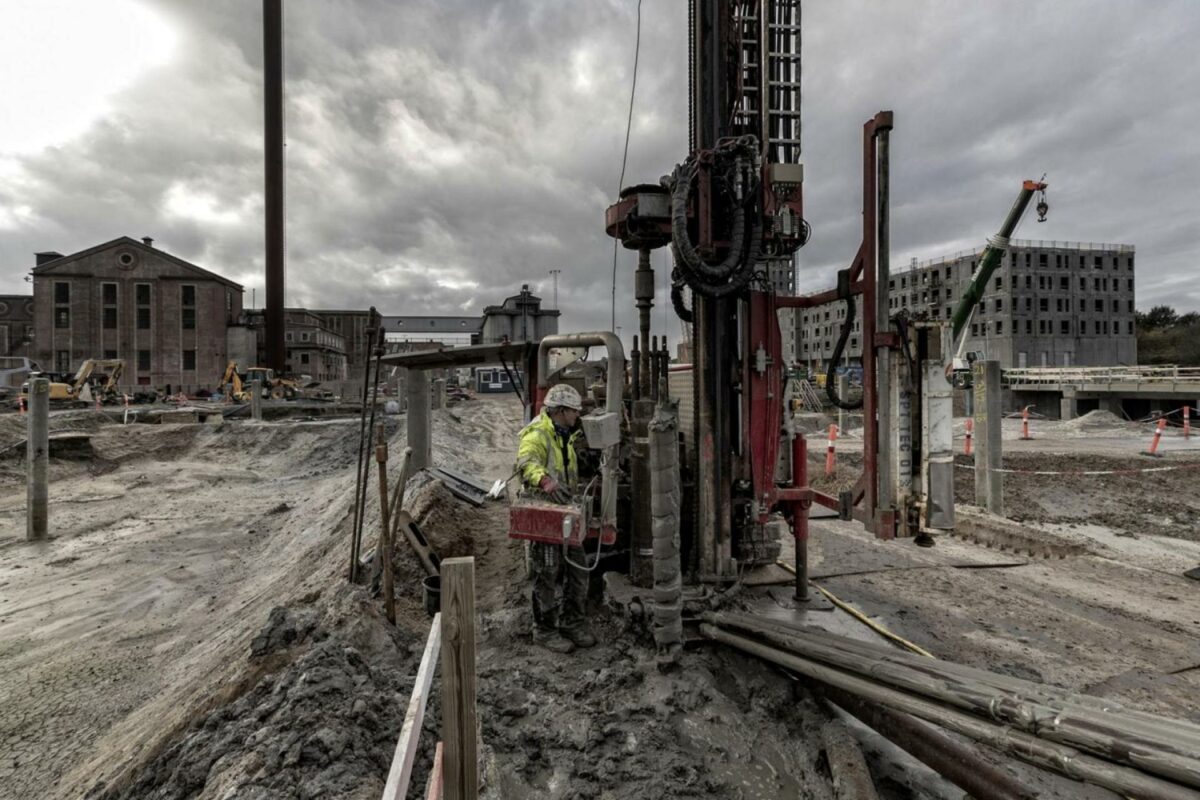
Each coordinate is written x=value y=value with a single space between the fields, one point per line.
x=546 y=566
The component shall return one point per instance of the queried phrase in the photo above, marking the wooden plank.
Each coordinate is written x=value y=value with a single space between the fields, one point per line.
x=433 y=789
x=410 y=733
x=459 y=731
x=389 y=589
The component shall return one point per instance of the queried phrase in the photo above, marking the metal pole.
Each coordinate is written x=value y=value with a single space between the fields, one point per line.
x=885 y=499
x=419 y=418
x=643 y=292
x=273 y=194
x=989 y=481
x=38 y=456
x=800 y=513
x=554 y=274
x=360 y=477
x=385 y=527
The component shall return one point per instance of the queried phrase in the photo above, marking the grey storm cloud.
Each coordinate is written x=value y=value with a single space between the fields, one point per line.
x=439 y=155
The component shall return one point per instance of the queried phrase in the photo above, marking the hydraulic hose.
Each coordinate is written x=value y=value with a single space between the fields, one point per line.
x=844 y=293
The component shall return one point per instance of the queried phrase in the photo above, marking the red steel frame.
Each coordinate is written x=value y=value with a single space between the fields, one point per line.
x=862 y=281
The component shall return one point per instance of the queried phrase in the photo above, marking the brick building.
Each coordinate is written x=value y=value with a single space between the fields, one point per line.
x=166 y=317
x=1047 y=304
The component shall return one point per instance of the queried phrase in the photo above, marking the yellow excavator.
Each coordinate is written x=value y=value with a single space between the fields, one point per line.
x=96 y=379
x=237 y=385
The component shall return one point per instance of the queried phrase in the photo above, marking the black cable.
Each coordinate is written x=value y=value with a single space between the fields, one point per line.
x=637 y=50
x=847 y=326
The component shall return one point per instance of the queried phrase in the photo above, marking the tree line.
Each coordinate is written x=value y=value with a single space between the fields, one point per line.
x=1167 y=337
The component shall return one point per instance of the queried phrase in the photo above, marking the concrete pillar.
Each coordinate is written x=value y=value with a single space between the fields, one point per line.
x=256 y=399
x=1111 y=405
x=38 y=456
x=439 y=393
x=420 y=431
x=1068 y=407
x=989 y=484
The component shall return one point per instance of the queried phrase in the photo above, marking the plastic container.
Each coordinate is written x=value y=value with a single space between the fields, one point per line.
x=432 y=586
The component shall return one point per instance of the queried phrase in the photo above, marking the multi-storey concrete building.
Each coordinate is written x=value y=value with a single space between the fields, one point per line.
x=1047 y=304
x=167 y=318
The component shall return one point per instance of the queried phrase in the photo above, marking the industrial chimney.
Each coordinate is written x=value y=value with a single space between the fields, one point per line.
x=146 y=240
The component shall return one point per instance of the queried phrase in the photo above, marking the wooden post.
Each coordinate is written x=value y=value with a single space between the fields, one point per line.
x=37 y=450
x=385 y=528
x=433 y=789
x=459 y=730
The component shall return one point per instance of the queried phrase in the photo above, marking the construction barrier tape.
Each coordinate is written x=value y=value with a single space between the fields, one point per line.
x=1090 y=471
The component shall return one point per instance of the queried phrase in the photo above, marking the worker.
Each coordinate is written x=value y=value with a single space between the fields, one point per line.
x=549 y=466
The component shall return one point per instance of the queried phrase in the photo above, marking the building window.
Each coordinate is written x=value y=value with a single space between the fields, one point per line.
x=1064 y=283
x=62 y=304
x=142 y=292
x=1083 y=284
x=1083 y=327
x=1099 y=305
x=1130 y=306
x=108 y=292
x=143 y=360
x=304 y=336
x=982 y=307
x=1131 y=327
x=110 y=318
x=998 y=283
x=1058 y=260
x=1043 y=304
x=1041 y=326
x=948 y=269
x=189 y=359
x=1028 y=260
x=999 y=327
x=304 y=358
x=1064 y=327
x=1115 y=263
x=1043 y=259
x=1129 y=285
x=1028 y=327
x=1131 y=263
x=999 y=304
x=1029 y=304
x=110 y=354
x=287 y=337
x=974 y=328
x=1116 y=306
x=1095 y=284
x=62 y=360
x=108 y=298
x=188 y=302
x=1104 y=326
x=1028 y=281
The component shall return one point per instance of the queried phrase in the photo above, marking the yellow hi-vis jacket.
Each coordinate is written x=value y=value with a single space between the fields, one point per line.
x=541 y=453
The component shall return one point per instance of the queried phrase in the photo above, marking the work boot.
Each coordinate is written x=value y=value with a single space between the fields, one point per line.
x=579 y=635
x=552 y=640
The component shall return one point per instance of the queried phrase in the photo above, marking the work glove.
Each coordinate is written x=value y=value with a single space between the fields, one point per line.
x=548 y=485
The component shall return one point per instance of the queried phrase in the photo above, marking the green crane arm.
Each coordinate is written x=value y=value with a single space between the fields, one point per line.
x=991 y=257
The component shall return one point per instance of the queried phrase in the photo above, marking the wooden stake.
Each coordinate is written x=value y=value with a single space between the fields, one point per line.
x=459 y=726
x=385 y=528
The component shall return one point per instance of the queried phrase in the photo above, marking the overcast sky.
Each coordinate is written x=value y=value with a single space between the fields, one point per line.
x=442 y=153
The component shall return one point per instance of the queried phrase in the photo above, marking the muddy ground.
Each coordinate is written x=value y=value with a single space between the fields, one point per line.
x=189 y=633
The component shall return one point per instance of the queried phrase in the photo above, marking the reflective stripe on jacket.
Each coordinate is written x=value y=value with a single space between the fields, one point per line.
x=541 y=453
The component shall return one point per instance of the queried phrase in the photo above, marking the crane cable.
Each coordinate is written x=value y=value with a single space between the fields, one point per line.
x=637 y=49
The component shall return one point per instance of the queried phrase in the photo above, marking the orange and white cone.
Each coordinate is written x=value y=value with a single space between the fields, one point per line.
x=968 y=444
x=21 y=406
x=1025 y=423
x=830 y=452
x=1187 y=422
x=1158 y=429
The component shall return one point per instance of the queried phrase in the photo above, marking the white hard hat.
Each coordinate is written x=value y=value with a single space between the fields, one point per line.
x=563 y=396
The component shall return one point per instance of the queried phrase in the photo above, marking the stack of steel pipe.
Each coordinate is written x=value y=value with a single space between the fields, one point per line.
x=1087 y=738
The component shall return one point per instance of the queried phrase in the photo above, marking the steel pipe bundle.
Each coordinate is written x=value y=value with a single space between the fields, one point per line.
x=1085 y=738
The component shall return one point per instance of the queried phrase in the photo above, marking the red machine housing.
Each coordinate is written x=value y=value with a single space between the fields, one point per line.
x=543 y=521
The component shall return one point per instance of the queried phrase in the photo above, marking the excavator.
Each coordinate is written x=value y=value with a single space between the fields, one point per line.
x=96 y=378
x=237 y=385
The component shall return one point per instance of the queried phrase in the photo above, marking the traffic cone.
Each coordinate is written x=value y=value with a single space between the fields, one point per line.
x=1025 y=423
x=21 y=406
x=968 y=444
x=1158 y=429
x=830 y=453
x=1187 y=422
